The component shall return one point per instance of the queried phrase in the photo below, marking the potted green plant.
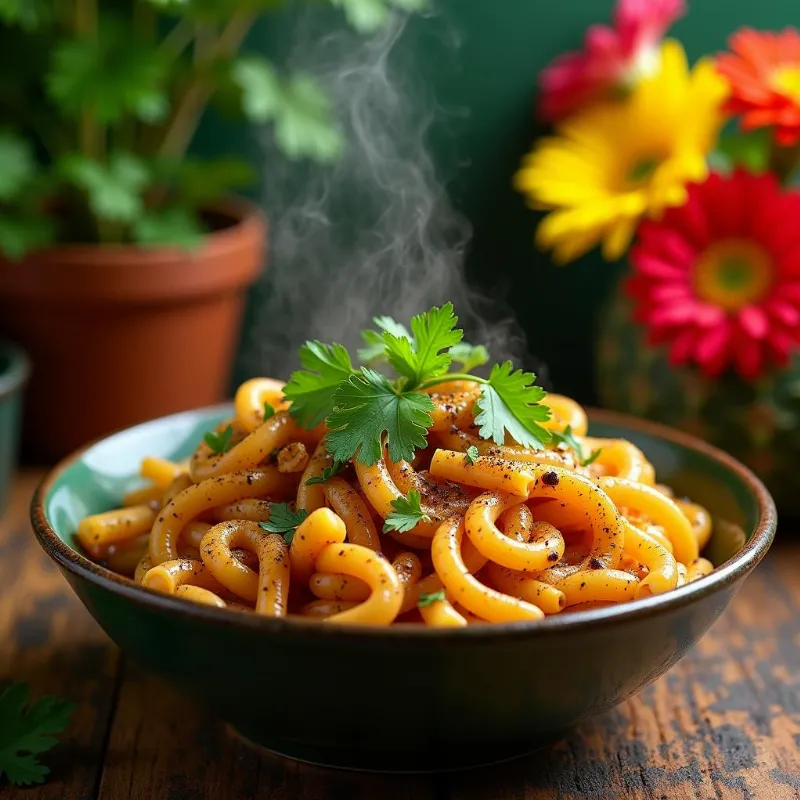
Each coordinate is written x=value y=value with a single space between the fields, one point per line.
x=124 y=261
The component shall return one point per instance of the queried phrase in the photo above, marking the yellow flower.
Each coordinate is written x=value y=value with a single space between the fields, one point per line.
x=612 y=164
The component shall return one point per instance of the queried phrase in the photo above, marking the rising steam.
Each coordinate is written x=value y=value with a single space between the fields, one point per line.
x=374 y=234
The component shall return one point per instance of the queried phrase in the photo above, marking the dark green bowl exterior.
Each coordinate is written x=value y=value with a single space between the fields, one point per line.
x=404 y=699
x=14 y=370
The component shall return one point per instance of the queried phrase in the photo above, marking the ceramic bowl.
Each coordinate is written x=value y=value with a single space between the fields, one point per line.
x=405 y=698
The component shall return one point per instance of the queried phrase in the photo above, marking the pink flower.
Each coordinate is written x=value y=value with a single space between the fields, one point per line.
x=717 y=280
x=612 y=57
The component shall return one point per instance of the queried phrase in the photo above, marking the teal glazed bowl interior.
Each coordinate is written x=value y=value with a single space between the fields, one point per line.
x=404 y=698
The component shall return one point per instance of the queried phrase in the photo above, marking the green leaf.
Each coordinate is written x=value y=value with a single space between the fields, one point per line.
x=27 y=14
x=748 y=149
x=172 y=226
x=18 y=164
x=375 y=347
x=21 y=234
x=110 y=75
x=593 y=456
x=407 y=513
x=471 y=454
x=115 y=190
x=269 y=410
x=510 y=404
x=327 y=474
x=429 y=599
x=367 y=407
x=426 y=356
x=304 y=124
x=26 y=731
x=219 y=442
x=262 y=94
x=566 y=437
x=469 y=355
x=197 y=182
x=311 y=390
x=283 y=519
x=366 y=16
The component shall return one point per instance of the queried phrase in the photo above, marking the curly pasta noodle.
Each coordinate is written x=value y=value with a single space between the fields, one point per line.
x=504 y=534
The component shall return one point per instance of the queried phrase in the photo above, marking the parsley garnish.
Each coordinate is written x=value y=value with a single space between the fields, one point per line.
x=510 y=403
x=220 y=442
x=407 y=513
x=269 y=411
x=567 y=437
x=366 y=411
x=26 y=731
x=469 y=355
x=426 y=600
x=471 y=454
x=282 y=519
x=311 y=390
x=327 y=473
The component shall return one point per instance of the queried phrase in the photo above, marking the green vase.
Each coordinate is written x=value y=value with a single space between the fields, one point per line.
x=758 y=422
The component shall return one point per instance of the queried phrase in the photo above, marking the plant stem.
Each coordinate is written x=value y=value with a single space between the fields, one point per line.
x=451 y=376
x=184 y=124
x=91 y=144
x=180 y=36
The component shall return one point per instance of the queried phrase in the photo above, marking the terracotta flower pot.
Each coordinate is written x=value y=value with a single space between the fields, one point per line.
x=119 y=334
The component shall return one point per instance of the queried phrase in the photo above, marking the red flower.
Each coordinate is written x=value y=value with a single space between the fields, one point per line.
x=764 y=73
x=719 y=277
x=612 y=57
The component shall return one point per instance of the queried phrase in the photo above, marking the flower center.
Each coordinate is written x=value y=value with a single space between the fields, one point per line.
x=641 y=171
x=732 y=274
x=786 y=80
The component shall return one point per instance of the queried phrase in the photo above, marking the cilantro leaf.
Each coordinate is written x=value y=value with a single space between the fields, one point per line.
x=367 y=406
x=311 y=390
x=220 y=442
x=471 y=454
x=26 y=732
x=426 y=600
x=426 y=355
x=375 y=347
x=509 y=403
x=260 y=85
x=282 y=519
x=407 y=513
x=568 y=438
x=269 y=411
x=327 y=474
x=469 y=355
x=593 y=456
x=19 y=165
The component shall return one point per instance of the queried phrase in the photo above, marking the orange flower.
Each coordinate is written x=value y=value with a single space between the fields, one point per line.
x=764 y=73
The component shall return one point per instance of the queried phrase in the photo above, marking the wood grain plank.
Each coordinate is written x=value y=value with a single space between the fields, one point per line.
x=724 y=723
x=163 y=746
x=51 y=641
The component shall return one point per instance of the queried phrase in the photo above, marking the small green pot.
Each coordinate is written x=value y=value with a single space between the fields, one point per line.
x=758 y=423
x=14 y=371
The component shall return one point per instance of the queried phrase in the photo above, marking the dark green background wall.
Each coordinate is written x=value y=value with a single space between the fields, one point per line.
x=492 y=74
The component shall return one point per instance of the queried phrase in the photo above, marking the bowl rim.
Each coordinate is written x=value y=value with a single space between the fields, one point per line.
x=734 y=569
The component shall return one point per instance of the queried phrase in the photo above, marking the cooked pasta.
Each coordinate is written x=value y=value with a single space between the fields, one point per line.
x=504 y=534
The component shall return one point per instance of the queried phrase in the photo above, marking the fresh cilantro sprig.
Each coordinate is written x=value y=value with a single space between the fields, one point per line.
x=327 y=473
x=567 y=437
x=312 y=390
x=284 y=520
x=269 y=410
x=430 y=598
x=407 y=513
x=220 y=442
x=26 y=731
x=365 y=411
x=471 y=454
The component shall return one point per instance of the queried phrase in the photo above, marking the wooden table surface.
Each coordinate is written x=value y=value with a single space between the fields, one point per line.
x=724 y=723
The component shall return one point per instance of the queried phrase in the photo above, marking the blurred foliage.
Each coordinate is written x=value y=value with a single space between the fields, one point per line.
x=106 y=99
